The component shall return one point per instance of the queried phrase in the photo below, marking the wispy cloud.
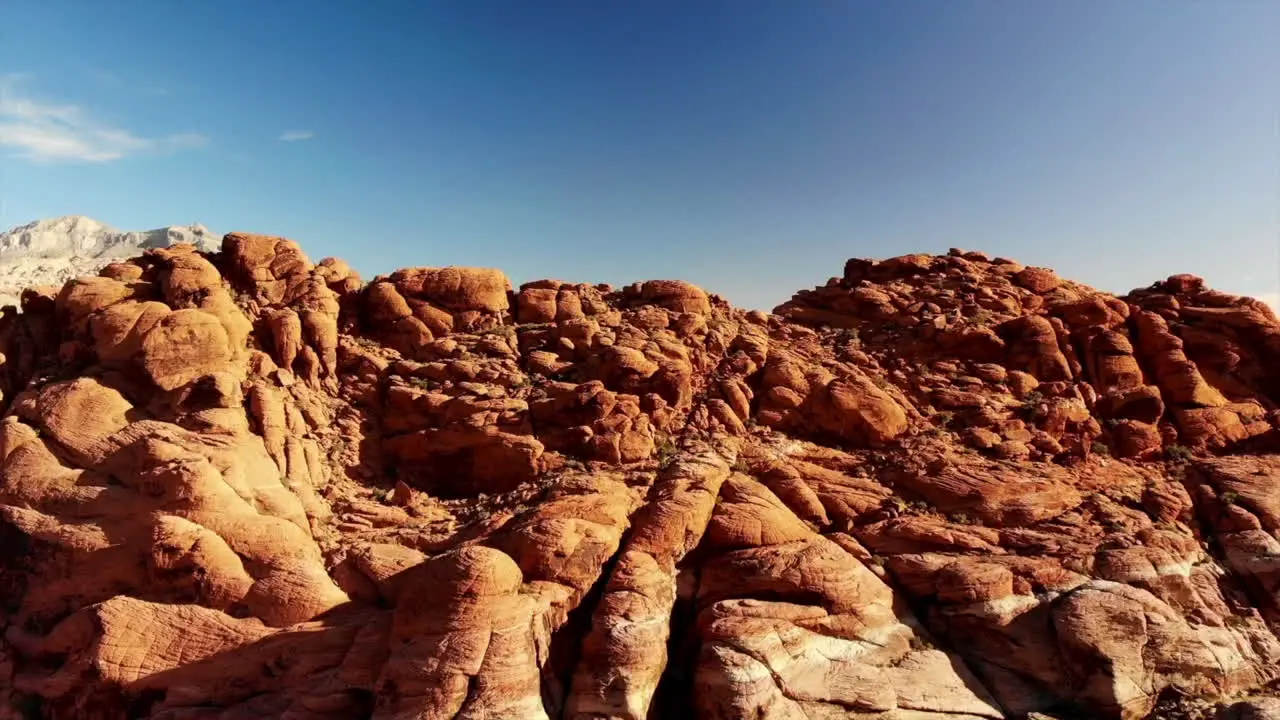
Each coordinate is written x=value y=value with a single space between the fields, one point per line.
x=296 y=135
x=45 y=132
x=115 y=83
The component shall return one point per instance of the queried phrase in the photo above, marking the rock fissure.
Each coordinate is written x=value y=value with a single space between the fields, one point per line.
x=434 y=494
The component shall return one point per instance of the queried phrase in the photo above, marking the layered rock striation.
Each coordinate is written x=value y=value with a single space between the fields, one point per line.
x=240 y=484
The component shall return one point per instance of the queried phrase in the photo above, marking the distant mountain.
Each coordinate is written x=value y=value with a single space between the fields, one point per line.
x=50 y=252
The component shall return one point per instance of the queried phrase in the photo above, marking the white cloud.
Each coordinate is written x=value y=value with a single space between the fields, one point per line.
x=296 y=135
x=44 y=132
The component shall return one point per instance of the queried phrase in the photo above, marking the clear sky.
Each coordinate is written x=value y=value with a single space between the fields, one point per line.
x=750 y=146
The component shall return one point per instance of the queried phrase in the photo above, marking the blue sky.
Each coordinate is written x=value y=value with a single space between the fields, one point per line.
x=750 y=146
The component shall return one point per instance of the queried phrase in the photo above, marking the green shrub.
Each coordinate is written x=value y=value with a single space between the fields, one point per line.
x=923 y=506
x=1031 y=404
x=666 y=452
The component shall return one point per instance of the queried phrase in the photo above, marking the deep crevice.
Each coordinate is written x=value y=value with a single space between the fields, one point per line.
x=473 y=690
x=1204 y=527
x=565 y=653
x=671 y=699
x=935 y=632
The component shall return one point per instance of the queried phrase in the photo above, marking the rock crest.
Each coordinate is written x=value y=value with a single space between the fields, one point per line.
x=241 y=484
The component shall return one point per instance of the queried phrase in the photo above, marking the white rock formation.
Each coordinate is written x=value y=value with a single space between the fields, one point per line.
x=50 y=252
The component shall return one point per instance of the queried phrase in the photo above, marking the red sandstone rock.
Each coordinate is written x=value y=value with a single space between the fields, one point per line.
x=246 y=485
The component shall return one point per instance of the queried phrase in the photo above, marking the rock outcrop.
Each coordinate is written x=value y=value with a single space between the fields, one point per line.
x=50 y=252
x=239 y=484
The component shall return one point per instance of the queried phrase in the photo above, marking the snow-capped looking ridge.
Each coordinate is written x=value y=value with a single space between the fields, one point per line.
x=52 y=251
x=76 y=235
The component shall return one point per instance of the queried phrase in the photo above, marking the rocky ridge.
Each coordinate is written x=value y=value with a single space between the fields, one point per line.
x=53 y=251
x=238 y=484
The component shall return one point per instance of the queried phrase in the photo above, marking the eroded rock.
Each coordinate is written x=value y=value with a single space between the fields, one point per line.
x=243 y=485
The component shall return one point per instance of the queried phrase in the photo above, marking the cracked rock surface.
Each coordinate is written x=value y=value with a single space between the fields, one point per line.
x=240 y=484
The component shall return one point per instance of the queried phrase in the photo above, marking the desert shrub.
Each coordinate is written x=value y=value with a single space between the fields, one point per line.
x=1031 y=404
x=666 y=452
x=923 y=506
x=244 y=301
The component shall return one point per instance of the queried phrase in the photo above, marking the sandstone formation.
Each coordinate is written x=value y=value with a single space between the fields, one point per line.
x=239 y=484
x=55 y=250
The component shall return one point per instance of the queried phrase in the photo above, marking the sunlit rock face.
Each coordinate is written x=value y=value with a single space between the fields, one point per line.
x=239 y=484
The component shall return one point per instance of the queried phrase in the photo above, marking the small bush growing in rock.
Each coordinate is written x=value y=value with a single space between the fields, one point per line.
x=666 y=452
x=923 y=506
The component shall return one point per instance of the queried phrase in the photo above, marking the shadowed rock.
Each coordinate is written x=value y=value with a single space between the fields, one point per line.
x=244 y=485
